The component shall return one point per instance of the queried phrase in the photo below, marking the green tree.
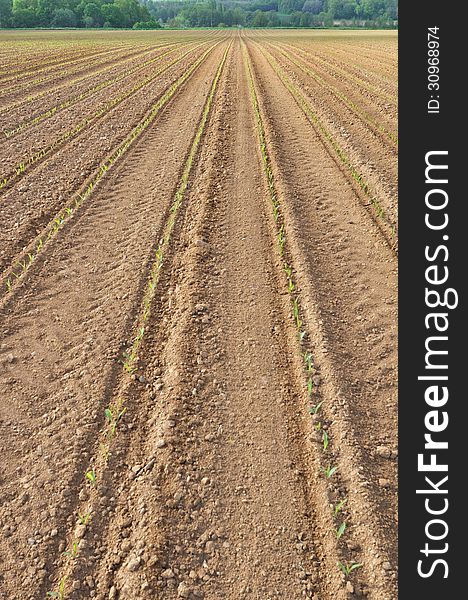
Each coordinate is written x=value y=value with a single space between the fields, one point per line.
x=343 y=9
x=6 y=12
x=313 y=6
x=238 y=16
x=273 y=19
x=289 y=6
x=325 y=19
x=46 y=10
x=64 y=17
x=132 y=12
x=372 y=9
x=391 y=9
x=93 y=11
x=24 y=17
x=113 y=16
x=260 y=19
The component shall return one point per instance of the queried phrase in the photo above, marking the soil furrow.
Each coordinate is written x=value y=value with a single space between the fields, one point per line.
x=14 y=111
x=9 y=93
x=379 y=121
x=82 y=59
x=377 y=189
x=215 y=417
x=358 y=83
x=198 y=358
x=356 y=72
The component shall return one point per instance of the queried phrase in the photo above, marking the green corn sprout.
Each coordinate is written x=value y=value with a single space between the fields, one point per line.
x=329 y=471
x=347 y=569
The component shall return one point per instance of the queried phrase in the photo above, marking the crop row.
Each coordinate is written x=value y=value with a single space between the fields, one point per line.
x=69 y=83
x=373 y=64
x=347 y=73
x=40 y=54
x=15 y=272
x=83 y=95
x=116 y=410
x=338 y=151
x=91 y=119
x=328 y=469
x=30 y=62
x=70 y=70
x=50 y=67
x=352 y=106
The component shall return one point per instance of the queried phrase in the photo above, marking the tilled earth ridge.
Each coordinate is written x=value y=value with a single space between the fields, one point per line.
x=214 y=487
x=384 y=93
x=42 y=134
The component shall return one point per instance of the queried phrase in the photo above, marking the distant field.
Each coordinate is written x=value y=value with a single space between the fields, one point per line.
x=198 y=363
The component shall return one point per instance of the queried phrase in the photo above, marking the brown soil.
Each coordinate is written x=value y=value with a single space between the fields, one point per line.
x=212 y=486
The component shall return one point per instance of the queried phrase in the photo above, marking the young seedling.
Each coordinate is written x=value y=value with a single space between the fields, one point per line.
x=328 y=471
x=347 y=569
x=9 y=285
x=314 y=409
x=60 y=594
x=85 y=518
x=325 y=439
x=308 y=361
x=73 y=553
x=339 y=507
x=113 y=418
x=341 y=529
x=296 y=313
x=91 y=476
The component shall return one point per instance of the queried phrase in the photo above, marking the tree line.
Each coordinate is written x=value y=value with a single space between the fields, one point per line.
x=72 y=13
x=152 y=14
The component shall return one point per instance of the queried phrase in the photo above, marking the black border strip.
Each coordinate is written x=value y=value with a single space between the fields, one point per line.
x=421 y=132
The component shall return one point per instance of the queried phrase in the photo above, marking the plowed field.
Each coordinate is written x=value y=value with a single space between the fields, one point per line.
x=198 y=271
